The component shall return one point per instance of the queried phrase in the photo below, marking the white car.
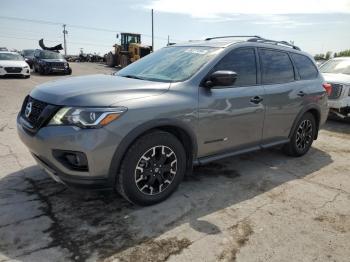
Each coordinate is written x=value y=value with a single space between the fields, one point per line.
x=337 y=73
x=12 y=63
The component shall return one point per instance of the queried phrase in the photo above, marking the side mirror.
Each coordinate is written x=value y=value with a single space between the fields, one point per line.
x=221 y=78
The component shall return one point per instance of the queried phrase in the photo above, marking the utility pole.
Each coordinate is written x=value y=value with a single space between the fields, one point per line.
x=64 y=39
x=152 y=33
x=168 y=40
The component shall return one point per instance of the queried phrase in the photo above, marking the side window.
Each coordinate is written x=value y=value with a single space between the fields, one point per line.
x=276 y=67
x=243 y=62
x=305 y=67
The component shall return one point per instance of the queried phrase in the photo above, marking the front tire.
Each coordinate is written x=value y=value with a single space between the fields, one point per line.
x=124 y=61
x=303 y=136
x=152 y=168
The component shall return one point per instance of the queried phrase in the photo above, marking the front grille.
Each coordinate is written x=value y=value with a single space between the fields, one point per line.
x=57 y=64
x=336 y=91
x=36 y=113
x=13 y=69
x=37 y=107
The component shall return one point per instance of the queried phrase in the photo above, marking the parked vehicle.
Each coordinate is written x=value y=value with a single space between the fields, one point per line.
x=129 y=50
x=3 y=49
x=139 y=131
x=28 y=55
x=12 y=63
x=337 y=72
x=47 y=62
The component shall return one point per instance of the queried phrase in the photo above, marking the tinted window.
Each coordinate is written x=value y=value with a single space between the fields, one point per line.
x=241 y=61
x=305 y=67
x=276 y=67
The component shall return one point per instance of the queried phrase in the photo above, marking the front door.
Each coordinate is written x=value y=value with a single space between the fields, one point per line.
x=231 y=117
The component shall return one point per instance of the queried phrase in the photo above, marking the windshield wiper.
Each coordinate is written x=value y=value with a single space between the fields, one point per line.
x=132 y=76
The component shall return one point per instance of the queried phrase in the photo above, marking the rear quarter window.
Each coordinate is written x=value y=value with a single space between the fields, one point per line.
x=276 y=67
x=305 y=67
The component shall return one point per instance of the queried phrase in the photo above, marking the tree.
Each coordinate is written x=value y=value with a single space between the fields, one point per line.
x=328 y=55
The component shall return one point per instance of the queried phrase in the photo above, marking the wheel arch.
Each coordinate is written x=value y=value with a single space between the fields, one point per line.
x=175 y=127
x=315 y=111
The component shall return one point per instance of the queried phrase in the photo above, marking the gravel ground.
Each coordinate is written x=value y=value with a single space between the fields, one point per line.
x=262 y=206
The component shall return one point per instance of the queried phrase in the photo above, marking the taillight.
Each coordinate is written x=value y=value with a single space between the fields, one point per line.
x=328 y=88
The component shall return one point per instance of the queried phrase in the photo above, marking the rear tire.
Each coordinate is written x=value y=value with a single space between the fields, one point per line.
x=302 y=137
x=152 y=168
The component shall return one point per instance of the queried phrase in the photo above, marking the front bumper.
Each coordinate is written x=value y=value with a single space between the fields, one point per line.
x=48 y=69
x=23 y=72
x=339 y=103
x=99 y=146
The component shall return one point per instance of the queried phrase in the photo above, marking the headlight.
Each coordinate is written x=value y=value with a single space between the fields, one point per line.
x=87 y=117
x=26 y=67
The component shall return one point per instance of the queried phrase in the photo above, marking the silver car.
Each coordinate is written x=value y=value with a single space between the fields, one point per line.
x=141 y=130
x=337 y=72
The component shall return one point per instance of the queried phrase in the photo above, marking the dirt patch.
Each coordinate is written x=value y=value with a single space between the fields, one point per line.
x=212 y=169
x=153 y=250
x=238 y=237
x=338 y=222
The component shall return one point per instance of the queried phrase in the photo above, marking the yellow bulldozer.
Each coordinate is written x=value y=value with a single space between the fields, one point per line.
x=129 y=50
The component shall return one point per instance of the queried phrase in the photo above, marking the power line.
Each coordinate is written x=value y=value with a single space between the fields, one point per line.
x=53 y=41
x=75 y=26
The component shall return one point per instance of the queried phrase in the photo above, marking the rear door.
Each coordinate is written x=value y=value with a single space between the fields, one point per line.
x=284 y=95
x=229 y=118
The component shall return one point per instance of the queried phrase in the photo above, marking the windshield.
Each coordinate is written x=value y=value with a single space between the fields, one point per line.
x=10 y=56
x=29 y=53
x=338 y=66
x=50 y=55
x=170 y=64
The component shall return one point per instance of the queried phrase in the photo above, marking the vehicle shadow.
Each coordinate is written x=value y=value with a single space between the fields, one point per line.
x=338 y=125
x=13 y=77
x=38 y=215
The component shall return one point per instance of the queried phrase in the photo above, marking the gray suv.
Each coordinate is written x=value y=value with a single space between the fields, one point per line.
x=142 y=129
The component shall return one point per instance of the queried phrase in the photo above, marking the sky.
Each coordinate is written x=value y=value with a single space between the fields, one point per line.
x=317 y=26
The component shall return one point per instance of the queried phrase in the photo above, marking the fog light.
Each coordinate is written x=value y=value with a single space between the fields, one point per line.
x=77 y=159
x=72 y=159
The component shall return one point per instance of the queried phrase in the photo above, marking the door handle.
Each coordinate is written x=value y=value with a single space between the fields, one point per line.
x=256 y=99
x=301 y=93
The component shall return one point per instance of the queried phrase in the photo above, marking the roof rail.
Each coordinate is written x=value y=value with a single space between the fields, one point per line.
x=269 y=41
x=231 y=36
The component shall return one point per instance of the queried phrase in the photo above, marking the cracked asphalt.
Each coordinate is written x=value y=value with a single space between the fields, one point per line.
x=263 y=206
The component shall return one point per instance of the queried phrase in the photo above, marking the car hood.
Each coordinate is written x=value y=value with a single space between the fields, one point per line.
x=337 y=78
x=96 y=90
x=12 y=63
